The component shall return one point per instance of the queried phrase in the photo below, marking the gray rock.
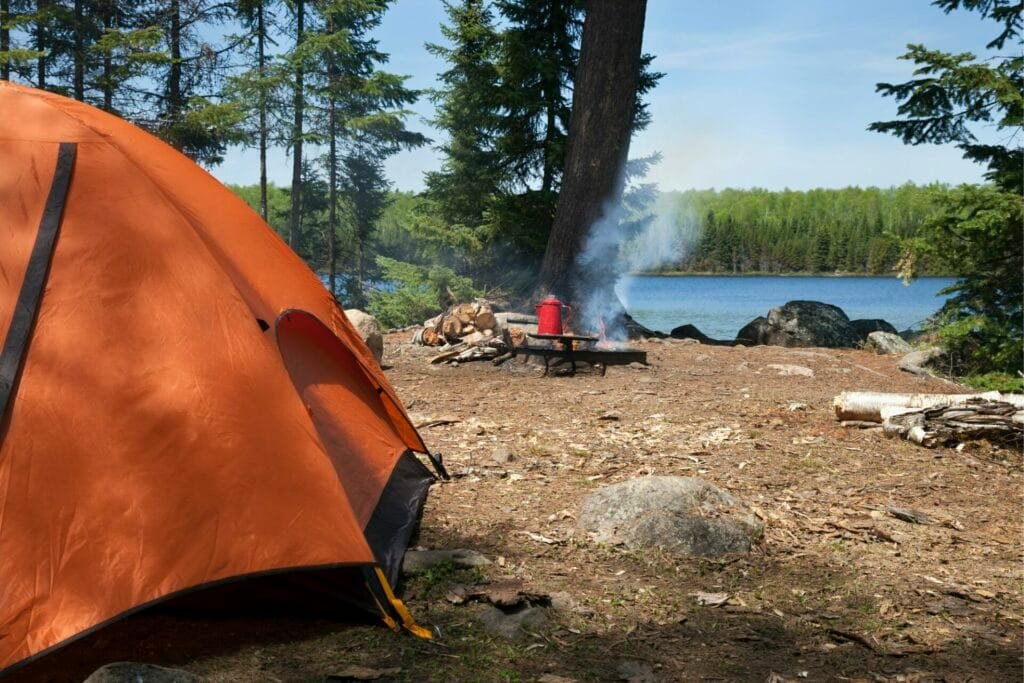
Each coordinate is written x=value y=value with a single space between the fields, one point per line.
x=133 y=672
x=369 y=330
x=502 y=455
x=419 y=561
x=511 y=626
x=865 y=326
x=788 y=370
x=683 y=515
x=886 y=342
x=918 y=362
x=633 y=671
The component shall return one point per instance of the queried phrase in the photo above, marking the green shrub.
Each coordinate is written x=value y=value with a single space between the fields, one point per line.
x=996 y=381
x=416 y=293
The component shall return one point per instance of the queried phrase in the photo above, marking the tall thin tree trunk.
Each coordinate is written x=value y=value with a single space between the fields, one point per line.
x=298 y=102
x=174 y=103
x=551 y=94
x=109 y=13
x=548 y=178
x=5 y=39
x=332 y=223
x=261 y=35
x=41 y=8
x=79 y=56
x=360 y=265
x=599 y=134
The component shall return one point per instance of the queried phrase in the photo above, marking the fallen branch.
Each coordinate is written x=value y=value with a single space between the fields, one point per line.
x=999 y=422
x=873 y=406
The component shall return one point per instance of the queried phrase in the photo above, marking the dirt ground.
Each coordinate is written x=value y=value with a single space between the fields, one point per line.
x=837 y=589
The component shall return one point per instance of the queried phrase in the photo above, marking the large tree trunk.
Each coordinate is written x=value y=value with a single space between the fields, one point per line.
x=298 y=103
x=602 y=118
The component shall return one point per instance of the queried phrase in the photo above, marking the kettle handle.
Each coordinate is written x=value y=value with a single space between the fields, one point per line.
x=569 y=307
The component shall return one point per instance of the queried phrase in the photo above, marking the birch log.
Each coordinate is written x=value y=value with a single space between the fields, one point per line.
x=873 y=406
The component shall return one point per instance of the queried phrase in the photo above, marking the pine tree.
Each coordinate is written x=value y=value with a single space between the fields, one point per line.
x=254 y=88
x=362 y=116
x=978 y=229
x=296 y=61
x=538 y=57
x=468 y=114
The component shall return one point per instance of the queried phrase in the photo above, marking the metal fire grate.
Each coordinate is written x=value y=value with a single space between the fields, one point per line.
x=579 y=348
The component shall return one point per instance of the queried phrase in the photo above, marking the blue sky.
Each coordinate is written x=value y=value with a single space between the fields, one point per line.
x=756 y=93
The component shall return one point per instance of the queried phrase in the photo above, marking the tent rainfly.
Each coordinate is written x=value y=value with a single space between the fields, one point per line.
x=183 y=405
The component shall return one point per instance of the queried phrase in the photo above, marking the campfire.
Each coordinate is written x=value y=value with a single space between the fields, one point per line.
x=475 y=332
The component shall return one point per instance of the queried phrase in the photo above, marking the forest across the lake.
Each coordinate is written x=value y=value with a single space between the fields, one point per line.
x=851 y=230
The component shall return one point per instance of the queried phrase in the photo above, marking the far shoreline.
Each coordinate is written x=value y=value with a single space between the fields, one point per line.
x=793 y=275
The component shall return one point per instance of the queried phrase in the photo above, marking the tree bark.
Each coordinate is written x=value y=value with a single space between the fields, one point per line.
x=298 y=103
x=174 y=103
x=5 y=39
x=261 y=59
x=874 y=406
x=998 y=422
x=108 y=14
x=41 y=9
x=332 y=222
x=600 y=128
x=79 y=56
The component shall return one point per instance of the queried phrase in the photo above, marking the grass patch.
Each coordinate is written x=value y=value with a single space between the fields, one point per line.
x=996 y=381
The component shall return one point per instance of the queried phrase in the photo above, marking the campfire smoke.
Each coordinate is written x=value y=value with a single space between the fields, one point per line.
x=642 y=232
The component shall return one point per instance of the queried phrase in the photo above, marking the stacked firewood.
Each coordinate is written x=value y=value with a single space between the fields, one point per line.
x=467 y=331
x=462 y=323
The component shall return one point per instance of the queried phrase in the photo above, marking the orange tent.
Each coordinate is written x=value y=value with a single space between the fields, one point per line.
x=182 y=403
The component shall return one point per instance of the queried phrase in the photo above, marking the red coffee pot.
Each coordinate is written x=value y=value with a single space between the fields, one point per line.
x=549 y=316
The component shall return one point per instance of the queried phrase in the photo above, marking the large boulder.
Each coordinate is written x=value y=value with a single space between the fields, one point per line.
x=369 y=329
x=133 y=672
x=683 y=515
x=866 y=326
x=801 y=323
x=757 y=332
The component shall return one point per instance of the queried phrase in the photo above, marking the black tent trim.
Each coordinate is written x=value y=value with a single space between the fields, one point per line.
x=26 y=308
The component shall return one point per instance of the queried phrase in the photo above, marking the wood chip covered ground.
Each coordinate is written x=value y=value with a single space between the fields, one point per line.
x=881 y=560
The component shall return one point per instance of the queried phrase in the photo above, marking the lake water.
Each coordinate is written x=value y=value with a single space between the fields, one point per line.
x=720 y=305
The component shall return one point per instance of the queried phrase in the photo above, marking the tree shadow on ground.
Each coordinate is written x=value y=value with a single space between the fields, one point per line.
x=730 y=642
